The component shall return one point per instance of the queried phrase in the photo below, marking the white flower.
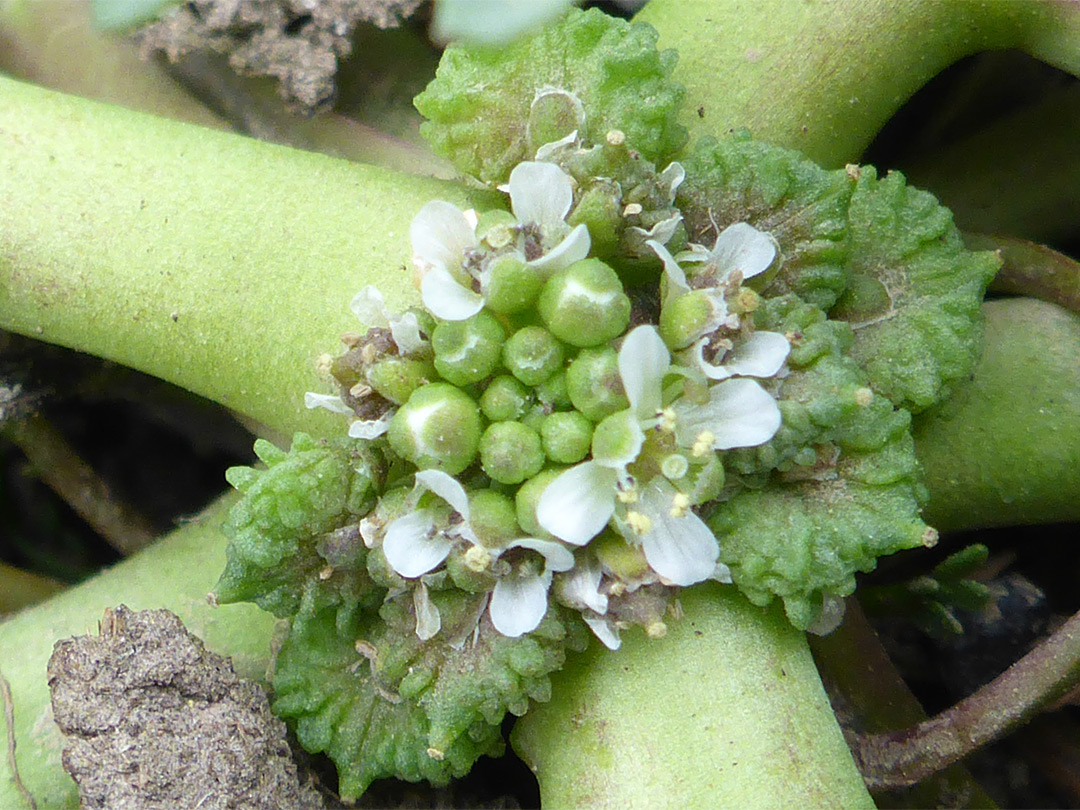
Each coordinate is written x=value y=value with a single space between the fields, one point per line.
x=360 y=428
x=414 y=544
x=577 y=505
x=443 y=237
x=445 y=247
x=662 y=231
x=740 y=248
x=580 y=589
x=761 y=354
x=520 y=598
x=369 y=307
x=541 y=195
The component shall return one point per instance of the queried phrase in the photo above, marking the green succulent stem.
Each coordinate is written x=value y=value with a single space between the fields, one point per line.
x=676 y=722
x=824 y=77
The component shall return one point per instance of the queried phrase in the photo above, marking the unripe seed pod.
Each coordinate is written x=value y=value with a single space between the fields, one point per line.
x=468 y=351
x=505 y=399
x=492 y=517
x=532 y=355
x=685 y=319
x=438 y=428
x=527 y=498
x=566 y=437
x=552 y=391
x=600 y=209
x=510 y=452
x=511 y=285
x=397 y=377
x=617 y=439
x=584 y=304
x=593 y=383
x=625 y=561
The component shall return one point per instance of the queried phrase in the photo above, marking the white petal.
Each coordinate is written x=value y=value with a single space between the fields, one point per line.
x=722 y=574
x=331 y=402
x=675 y=276
x=369 y=530
x=673 y=177
x=428 y=620
x=406 y=333
x=744 y=248
x=604 y=629
x=540 y=193
x=643 y=361
x=410 y=549
x=447 y=488
x=369 y=308
x=546 y=151
x=557 y=557
x=577 y=505
x=761 y=355
x=441 y=234
x=444 y=298
x=573 y=248
x=662 y=231
x=739 y=413
x=682 y=550
x=581 y=588
x=371 y=429
x=518 y=604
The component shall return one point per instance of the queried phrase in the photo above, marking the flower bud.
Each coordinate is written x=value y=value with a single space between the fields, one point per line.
x=492 y=517
x=593 y=384
x=566 y=437
x=527 y=498
x=532 y=355
x=625 y=561
x=468 y=351
x=439 y=427
x=504 y=400
x=584 y=304
x=510 y=452
x=512 y=285
x=600 y=209
x=685 y=319
x=397 y=377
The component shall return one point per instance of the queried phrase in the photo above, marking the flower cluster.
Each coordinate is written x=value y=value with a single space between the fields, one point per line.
x=562 y=434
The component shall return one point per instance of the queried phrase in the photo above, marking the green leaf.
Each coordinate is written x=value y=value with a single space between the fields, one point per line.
x=362 y=687
x=298 y=501
x=779 y=191
x=479 y=105
x=915 y=302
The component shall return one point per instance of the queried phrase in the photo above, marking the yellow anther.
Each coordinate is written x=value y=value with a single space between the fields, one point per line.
x=638 y=523
x=680 y=505
x=368 y=354
x=324 y=364
x=628 y=495
x=326 y=573
x=656 y=630
x=616 y=137
x=747 y=301
x=435 y=753
x=477 y=559
x=863 y=397
x=703 y=444
x=360 y=390
x=632 y=210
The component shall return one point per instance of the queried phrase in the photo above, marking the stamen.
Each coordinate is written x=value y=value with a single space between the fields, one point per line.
x=638 y=523
x=477 y=559
x=360 y=390
x=680 y=505
x=703 y=444
x=632 y=210
x=667 y=420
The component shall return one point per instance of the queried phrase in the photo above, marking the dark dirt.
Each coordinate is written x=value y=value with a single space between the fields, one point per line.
x=298 y=42
x=153 y=720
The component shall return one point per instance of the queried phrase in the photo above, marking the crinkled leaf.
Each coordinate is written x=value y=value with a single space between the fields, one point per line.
x=478 y=106
x=287 y=511
x=804 y=540
x=915 y=293
x=366 y=691
x=780 y=192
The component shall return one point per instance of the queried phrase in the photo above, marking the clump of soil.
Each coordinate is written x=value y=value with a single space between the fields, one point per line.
x=297 y=42
x=153 y=721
